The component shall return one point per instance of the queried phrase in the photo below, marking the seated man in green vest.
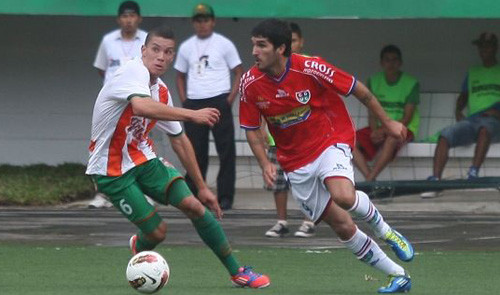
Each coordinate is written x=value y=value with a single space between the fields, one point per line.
x=398 y=94
x=481 y=95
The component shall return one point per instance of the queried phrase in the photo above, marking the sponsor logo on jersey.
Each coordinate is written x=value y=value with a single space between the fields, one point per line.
x=262 y=103
x=136 y=129
x=322 y=68
x=339 y=167
x=318 y=69
x=282 y=93
x=303 y=96
x=296 y=116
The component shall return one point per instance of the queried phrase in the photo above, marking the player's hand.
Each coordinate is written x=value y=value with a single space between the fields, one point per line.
x=396 y=129
x=207 y=116
x=269 y=174
x=209 y=199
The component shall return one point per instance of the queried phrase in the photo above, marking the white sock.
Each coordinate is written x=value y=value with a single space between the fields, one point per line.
x=369 y=252
x=364 y=209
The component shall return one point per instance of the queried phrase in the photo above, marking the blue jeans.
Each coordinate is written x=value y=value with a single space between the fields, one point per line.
x=466 y=131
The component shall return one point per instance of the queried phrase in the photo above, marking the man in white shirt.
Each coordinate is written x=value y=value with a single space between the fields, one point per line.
x=124 y=166
x=121 y=45
x=116 y=48
x=204 y=64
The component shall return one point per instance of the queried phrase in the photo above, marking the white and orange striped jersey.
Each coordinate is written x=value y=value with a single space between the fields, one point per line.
x=119 y=140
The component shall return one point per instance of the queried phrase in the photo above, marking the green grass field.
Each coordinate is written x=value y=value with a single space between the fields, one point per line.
x=195 y=270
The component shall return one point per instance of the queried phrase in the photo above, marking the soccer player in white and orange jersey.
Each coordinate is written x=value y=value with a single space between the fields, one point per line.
x=298 y=96
x=124 y=166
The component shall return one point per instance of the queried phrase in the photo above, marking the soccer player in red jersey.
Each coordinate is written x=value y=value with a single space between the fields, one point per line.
x=298 y=96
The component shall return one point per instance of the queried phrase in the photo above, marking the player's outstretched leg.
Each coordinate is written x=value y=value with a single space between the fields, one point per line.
x=214 y=237
x=365 y=249
x=364 y=209
x=212 y=234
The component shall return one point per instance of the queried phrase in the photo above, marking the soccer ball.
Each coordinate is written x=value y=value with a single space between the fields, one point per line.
x=147 y=272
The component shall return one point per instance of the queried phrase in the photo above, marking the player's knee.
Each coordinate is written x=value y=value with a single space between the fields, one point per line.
x=345 y=230
x=192 y=207
x=344 y=197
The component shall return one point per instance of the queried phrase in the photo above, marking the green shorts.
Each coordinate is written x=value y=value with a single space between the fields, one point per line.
x=164 y=184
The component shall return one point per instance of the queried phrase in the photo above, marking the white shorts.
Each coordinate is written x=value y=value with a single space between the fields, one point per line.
x=308 y=182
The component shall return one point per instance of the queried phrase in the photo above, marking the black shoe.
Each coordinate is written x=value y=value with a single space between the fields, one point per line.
x=278 y=230
x=226 y=205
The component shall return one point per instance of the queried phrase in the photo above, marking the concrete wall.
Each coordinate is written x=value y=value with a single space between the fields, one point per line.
x=48 y=85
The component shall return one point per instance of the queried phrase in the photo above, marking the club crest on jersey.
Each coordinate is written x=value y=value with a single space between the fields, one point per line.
x=303 y=96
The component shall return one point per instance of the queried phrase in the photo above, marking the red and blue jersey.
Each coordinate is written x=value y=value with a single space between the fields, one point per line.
x=303 y=109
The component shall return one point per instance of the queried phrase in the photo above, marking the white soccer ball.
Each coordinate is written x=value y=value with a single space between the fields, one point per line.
x=148 y=272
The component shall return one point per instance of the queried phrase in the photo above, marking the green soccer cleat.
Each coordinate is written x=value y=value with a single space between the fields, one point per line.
x=400 y=245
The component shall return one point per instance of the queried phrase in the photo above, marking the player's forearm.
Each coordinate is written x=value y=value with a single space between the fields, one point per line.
x=256 y=143
x=146 y=107
x=364 y=95
x=184 y=149
x=372 y=121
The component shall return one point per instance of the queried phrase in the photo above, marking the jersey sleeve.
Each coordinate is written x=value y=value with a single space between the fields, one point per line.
x=101 y=58
x=330 y=76
x=249 y=113
x=133 y=81
x=172 y=128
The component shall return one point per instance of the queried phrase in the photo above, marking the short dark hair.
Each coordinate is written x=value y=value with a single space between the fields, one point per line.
x=277 y=32
x=162 y=31
x=296 y=29
x=129 y=6
x=391 y=49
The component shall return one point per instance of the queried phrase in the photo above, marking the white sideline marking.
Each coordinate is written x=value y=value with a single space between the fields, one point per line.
x=483 y=238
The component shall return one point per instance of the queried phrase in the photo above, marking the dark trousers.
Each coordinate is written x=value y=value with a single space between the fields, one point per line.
x=223 y=133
